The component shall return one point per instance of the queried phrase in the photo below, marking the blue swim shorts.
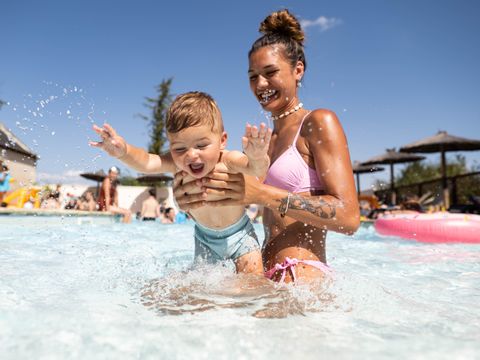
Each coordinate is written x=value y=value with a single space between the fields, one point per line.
x=228 y=243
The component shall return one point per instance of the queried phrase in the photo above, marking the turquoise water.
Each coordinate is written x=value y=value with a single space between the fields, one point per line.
x=94 y=289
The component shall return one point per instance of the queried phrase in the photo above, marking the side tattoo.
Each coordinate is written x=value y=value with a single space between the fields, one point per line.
x=316 y=207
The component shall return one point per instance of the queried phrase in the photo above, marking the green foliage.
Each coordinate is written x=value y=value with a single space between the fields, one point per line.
x=158 y=106
x=129 y=181
x=419 y=172
x=2 y=103
x=423 y=171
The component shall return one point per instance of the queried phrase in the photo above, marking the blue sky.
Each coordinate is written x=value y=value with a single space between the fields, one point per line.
x=393 y=71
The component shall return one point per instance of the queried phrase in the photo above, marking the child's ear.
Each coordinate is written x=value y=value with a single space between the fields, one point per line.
x=223 y=141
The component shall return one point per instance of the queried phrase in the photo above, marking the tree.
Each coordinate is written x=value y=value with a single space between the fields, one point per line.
x=421 y=171
x=158 y=106
x=129 y=180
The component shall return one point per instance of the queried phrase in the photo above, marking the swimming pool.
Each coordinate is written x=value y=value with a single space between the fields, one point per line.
x=80 y=290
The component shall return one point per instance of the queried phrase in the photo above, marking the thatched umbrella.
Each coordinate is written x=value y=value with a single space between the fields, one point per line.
x=97 y=176
x=363 y=169
x=442 y=142
x=155 y=178
x=391 y=157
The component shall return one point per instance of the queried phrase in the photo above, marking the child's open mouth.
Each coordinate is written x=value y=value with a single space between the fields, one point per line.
x=196 y=168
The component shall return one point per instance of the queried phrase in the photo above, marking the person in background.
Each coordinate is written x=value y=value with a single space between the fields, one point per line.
x=108 y=198
x=150 y=207
x=181 y=217
x=169 y=217
x=87 y=202
x=57 y=194
x=73 y=203
x=4 y=181
x=50 y=201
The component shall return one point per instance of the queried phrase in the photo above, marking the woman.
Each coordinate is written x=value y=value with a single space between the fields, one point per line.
x=108 y=198
x=309 y=188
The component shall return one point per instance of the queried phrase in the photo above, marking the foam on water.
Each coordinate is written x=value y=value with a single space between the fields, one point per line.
x=111 y=290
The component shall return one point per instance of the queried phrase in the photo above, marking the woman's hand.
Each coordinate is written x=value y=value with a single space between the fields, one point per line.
x=219 y=188
x=187 y=195
x=224 y=188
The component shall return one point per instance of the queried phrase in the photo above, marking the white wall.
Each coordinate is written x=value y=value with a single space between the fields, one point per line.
x=129 y=197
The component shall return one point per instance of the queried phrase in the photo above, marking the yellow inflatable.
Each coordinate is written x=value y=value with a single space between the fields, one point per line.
x=19 y=197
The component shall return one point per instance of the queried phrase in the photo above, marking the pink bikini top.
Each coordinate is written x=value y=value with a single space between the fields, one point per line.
x=291 y=172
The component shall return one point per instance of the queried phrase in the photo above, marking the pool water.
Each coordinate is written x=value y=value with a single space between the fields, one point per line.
x=96 y=290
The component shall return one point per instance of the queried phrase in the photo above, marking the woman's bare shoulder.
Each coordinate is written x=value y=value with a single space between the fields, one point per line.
x=322 y=116
x=322 y=125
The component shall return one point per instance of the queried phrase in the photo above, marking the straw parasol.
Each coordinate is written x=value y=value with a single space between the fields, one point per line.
x=363 y=169
x=97 y=176
x=155 y=178
x=442 y=142
x=391 y=157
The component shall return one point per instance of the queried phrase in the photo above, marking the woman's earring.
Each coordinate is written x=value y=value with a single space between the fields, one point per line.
x=299 y=84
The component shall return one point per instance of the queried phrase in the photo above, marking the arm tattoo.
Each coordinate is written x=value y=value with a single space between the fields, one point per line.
x=318 y=207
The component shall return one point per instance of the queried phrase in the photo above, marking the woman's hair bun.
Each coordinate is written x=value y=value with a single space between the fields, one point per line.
x=283 y=23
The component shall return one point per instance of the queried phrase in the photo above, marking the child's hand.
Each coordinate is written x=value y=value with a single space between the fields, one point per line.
x=256 y=141
x=111 y=142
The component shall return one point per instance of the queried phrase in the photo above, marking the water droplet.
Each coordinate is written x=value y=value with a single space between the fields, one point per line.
x=53 y=133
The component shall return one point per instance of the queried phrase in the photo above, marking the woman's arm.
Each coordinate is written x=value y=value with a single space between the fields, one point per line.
x=106 y=191
x=328 y=146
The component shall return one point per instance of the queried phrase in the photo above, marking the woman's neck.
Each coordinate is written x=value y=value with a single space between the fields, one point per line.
x=289 y=120
x=288 y=107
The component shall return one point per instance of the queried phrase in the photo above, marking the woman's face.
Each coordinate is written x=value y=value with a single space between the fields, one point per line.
x=273 y=81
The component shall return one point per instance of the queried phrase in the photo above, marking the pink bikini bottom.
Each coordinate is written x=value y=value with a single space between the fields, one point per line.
x=291 y=263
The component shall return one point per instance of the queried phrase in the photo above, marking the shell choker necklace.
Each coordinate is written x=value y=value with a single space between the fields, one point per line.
x=286 y=113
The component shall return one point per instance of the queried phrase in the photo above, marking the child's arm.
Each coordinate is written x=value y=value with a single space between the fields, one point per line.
x=254 y=160
x=135 y=157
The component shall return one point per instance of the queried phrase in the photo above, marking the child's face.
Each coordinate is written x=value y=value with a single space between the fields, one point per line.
x=196 y=149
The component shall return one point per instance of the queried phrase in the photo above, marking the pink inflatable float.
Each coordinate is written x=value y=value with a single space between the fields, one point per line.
x=432 y=228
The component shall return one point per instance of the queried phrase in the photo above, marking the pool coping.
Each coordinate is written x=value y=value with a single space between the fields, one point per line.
x=53 y=212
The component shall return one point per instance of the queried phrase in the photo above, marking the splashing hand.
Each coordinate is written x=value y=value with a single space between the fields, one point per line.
x=112 y=143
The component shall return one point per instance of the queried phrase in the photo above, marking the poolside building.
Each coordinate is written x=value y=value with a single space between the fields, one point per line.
x=20 y=160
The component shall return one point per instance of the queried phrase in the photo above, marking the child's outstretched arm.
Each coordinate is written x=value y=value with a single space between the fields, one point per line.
x=254 y=160
x=135 y=157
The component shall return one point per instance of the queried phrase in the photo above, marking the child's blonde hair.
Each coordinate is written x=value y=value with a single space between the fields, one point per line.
x=194 y=108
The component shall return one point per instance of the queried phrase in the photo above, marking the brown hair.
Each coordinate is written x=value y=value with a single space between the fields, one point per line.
x=193 y=108
x=282 y=28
